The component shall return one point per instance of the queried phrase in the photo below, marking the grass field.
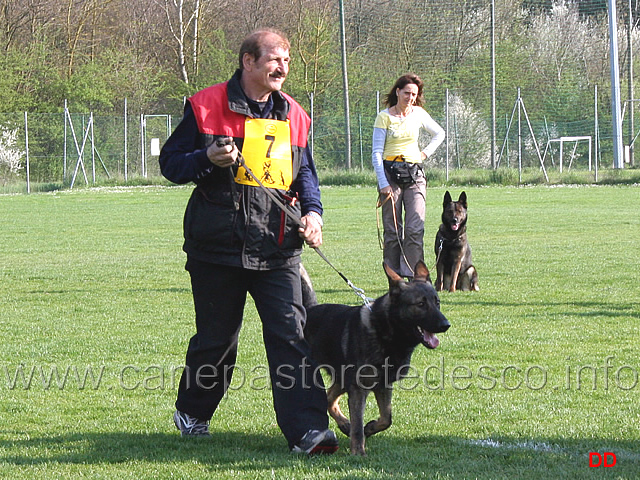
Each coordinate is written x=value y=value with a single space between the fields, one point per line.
x=539 y=368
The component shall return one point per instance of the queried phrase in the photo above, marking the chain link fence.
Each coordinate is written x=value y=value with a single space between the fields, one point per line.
x=43 y=151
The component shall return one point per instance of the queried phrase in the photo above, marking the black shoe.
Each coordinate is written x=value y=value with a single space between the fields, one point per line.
x=190 y=426
x=317 y=441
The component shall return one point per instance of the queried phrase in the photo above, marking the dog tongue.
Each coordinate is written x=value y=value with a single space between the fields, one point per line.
x=454 y=227
x=430 y=340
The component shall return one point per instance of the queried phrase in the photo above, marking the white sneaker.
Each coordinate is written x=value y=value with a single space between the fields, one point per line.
x=190 y=426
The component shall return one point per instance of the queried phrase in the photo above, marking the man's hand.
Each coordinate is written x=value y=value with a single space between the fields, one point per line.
x=222 y=152
x=312 y=231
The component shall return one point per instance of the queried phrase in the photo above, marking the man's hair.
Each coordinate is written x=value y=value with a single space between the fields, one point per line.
x=392 y=98
x=258 y=41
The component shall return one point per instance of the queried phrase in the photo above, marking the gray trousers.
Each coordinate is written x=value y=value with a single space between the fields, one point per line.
x=403 y=223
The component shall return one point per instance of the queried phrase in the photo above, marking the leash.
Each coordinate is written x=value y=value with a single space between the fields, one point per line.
x=395 y=223
x=358 y=291
x=439 y=251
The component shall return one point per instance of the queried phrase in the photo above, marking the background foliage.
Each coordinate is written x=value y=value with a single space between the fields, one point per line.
x=95 y=53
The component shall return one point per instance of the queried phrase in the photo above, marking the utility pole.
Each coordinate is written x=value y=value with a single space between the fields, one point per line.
x=345 y=81
x=493 y=84
x=630 y=82
x=618 y=161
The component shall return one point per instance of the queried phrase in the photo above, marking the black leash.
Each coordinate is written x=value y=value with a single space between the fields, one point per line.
x=358 y=291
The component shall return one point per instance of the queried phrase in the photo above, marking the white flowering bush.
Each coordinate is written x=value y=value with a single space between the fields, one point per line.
x=469 y=139
x=10 y=154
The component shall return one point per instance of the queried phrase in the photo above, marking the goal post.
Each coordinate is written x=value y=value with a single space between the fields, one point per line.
x=562 y=141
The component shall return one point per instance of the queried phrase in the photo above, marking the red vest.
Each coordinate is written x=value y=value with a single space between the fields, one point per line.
x=258 y=235
x=214 y=117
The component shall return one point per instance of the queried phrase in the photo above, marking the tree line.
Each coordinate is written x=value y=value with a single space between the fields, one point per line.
x=95 y=53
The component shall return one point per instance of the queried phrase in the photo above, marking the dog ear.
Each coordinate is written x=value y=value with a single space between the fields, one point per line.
x=447 y=198
x=463 y=199
x=393 y=277
x=421 y=273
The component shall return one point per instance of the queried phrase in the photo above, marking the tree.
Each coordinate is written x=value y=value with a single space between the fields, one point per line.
x=81 y=20
x=314 y=46
x=182 y=17
x=216 y=61
x=566 y=53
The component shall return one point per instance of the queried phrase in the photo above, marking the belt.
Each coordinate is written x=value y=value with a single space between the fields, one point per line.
x=399 y=158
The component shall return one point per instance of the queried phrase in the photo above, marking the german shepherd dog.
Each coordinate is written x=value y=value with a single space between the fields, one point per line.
x=455 y=270
x=367 y=348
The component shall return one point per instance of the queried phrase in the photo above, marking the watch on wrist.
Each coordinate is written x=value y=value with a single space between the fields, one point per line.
x=317 y=216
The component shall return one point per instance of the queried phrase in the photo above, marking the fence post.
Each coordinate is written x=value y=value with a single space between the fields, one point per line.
x=312 y=114
x=446 y=156
x=361 y=147
x=142 y=140
x=64 y=146
x=93 y=150
x=26 y=146
x=125 y=139
x=596 y=128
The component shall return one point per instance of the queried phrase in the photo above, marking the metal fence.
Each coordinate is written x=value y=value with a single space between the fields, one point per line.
x=70 y=149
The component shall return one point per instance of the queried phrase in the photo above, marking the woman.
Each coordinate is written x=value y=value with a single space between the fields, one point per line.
x=397 y=160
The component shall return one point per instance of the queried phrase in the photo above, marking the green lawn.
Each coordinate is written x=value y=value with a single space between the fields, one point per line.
x=539 y=368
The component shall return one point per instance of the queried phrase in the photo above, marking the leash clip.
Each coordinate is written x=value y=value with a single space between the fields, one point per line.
x=439 y=251
x=360 y=292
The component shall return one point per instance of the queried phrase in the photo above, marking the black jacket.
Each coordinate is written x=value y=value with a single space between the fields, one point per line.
x=225 y=222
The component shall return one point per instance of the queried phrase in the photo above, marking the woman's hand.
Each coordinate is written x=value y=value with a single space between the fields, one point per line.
x=386 y=191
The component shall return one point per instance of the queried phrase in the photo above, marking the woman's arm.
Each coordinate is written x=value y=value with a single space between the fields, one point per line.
x=437 y=134
x=379 y=136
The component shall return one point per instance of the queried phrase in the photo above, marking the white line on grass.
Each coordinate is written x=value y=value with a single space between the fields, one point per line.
x=528 y=445
x=550 y=448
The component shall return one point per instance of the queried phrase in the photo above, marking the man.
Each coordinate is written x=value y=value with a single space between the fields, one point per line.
x=239 y=241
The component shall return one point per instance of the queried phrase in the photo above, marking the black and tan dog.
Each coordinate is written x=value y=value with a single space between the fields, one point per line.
x=455 y=270
x=367 y=348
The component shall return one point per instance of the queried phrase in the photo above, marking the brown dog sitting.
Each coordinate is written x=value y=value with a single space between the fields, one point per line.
x=455 y=270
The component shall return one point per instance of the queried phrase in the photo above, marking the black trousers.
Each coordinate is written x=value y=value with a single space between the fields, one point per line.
x=219 y=294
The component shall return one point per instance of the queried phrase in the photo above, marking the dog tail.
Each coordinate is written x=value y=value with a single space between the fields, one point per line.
x=309 y=298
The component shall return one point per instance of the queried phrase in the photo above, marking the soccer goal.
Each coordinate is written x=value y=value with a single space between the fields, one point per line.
x=562 y=140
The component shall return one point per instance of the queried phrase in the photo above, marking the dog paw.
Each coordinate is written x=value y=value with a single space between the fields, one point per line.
x=375 y=426
x=345 y=428
x=359 y=452
x=371 y=428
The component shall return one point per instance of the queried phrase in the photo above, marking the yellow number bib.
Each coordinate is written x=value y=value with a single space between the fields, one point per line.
x=267 y=153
